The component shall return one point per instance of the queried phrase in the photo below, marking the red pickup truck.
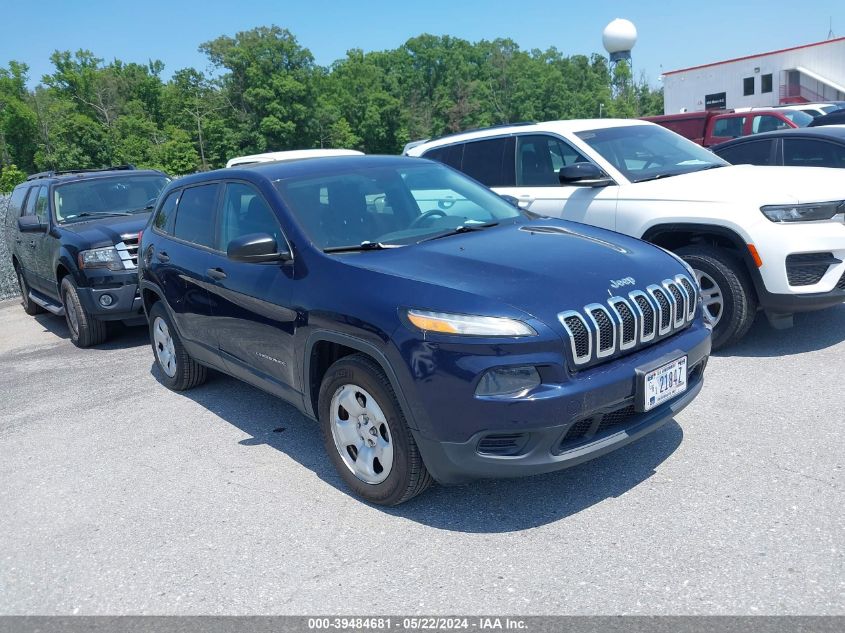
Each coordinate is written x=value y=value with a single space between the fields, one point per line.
x=716 y=126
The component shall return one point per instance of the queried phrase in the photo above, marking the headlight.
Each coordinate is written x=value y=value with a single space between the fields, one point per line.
x=803 y=212
x=468 y=324
x=504 y=381
x=101 y=258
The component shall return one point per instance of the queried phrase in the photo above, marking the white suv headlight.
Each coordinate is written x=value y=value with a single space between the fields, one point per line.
x=803 y=212
x=468 y=324
x=101 y=258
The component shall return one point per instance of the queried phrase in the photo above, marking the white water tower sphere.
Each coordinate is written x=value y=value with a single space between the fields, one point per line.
x=619 y=37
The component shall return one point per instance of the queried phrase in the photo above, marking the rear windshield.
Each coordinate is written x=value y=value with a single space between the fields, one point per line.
x=106 y=196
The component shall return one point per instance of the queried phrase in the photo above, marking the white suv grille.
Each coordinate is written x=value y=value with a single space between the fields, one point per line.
x=128 y=250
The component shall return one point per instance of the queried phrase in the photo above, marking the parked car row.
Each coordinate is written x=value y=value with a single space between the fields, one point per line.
x=435 y=329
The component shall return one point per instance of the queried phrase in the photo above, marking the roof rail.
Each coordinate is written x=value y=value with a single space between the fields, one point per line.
x=61 y=172
x=488 y=127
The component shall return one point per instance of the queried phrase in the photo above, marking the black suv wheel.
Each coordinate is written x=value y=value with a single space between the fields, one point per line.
x=178 y=370
x=85 y=330
x=29 y=306
x=366 y=435
x=727 y=294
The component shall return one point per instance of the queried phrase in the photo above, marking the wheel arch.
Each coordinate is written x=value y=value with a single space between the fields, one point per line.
x=677 y=235
x=323 y=348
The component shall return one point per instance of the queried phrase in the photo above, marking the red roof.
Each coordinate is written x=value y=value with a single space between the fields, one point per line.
x=739 y=59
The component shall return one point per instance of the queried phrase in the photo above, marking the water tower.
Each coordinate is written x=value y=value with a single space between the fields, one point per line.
x=619 y=37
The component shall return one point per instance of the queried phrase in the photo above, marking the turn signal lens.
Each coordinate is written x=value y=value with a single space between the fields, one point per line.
x=468 y=325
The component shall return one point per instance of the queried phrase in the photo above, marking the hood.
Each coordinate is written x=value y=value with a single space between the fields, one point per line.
x=107 y=231
x=540 y=267
x=754 y=184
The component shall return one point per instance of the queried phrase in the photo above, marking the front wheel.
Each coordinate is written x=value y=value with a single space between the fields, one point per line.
x=366 y=435
x=85 y=330
x=726 y=292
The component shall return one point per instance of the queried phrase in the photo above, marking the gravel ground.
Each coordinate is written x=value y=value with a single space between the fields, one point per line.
x=121 y=497
x=8 y=282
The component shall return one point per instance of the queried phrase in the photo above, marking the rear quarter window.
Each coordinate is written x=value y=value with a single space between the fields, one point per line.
x=16 y=204
x=163 y=220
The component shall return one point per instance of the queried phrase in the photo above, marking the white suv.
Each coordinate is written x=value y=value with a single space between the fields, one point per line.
x=771 y=238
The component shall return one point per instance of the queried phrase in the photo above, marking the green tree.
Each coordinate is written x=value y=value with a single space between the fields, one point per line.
x=10 y=177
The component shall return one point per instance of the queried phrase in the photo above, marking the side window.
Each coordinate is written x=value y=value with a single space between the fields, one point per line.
x=490 y=162
x=41 y=206
x=195 y=215
x=245 y=212
x=750 y=153
x=166 y=213
x=728 y=127
x=451 y=155
x=30 y=202
x=539 y=158
x=803 y=152
x=767 y=123
x=16 y=204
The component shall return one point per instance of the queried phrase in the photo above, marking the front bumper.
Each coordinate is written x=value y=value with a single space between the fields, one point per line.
x=450 y=439
x=454 y=463
x=126 y=302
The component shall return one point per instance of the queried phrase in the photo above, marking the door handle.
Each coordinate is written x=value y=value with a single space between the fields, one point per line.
x=163 y=257
x=216 y=273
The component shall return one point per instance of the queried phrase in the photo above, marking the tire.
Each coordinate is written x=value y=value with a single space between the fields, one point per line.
x=358 y=380
x=29 y=306
x=720 y=273
x=85 y=330
x=179 y=371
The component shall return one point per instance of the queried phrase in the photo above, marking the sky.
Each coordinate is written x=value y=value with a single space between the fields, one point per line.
x=672 y=35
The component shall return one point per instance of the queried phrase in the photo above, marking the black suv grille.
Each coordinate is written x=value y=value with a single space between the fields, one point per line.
x=806 y=269
x=128 y=250
x=627 y=323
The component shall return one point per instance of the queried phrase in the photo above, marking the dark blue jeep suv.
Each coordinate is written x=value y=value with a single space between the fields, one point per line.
x=434 y=330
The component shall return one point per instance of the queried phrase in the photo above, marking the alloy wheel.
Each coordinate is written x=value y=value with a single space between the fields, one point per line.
x=711 y=296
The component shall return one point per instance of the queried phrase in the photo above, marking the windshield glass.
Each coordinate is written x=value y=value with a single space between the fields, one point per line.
x=801 y=119
x=84 y=199
x=646 y=152
x=390 y=205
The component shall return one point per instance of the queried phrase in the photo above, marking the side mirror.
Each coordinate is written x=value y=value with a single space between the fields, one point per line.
x=255 y=248
x=583 y=175
x=30 y=224
x=510 y=199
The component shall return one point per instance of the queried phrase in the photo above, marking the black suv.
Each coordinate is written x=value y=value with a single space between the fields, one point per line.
x=73 y=237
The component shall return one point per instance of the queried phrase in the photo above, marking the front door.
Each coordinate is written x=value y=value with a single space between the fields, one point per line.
x=252 y=317
x=539 y=158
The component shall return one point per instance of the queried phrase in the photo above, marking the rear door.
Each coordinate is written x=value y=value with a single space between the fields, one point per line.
x=539 y=158
x=180 y=259
x=252 y=318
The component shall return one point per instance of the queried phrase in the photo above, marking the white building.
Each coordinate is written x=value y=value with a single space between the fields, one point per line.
x=802 y=74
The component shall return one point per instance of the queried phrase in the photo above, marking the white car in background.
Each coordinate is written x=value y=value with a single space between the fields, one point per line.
x=771 y=238
x=296 y=154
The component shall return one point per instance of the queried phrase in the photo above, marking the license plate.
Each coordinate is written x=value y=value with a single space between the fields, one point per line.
x=664 y=383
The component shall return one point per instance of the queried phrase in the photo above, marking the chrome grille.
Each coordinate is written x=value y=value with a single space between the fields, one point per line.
x=625 y=323
x=128 y=250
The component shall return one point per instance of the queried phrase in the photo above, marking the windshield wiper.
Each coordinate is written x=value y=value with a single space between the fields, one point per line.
x=363 y=246
x=87 y=214
x=464 y=228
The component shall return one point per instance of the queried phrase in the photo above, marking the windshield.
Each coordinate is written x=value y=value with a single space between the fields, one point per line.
x=647 y=152
x=801 y=119
x=121 y=195
x=391 y=205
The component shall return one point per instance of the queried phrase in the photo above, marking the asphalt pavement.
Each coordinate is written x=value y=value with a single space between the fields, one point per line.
x=118 y=496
